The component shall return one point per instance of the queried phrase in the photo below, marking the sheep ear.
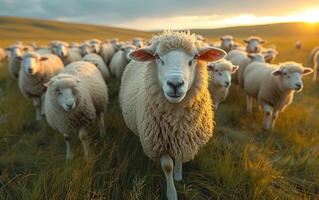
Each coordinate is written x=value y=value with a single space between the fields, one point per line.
x=25 y=49
x=211 y=54
x=43 y=58
x=234 y=69
x=262 y=41
x=277 y=72
x=211 y=67
x=142 y=55
x=307 y=71
x=246 y=41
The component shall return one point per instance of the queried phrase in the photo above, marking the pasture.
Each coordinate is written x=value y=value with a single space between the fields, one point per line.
x=241 y=161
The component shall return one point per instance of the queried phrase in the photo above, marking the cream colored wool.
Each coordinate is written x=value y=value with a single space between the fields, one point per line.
x=178 y=130
x=120 y=60
x=33 y=85
x=91 y=96
x=14 y=63
x=262 y=85
x=98 y=61
x=107 y=51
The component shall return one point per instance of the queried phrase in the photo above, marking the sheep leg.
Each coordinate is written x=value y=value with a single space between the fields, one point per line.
x=69 y=154
x=37 y=105
x=216 y=104
x=84 y=137
x=178 y=171
x=274 y=118
x=268 y=116
x=42 y=105
x=167 y=166
x=249 y=102
x=101 y=124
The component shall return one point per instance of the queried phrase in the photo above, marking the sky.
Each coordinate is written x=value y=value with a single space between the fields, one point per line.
x=165 y=14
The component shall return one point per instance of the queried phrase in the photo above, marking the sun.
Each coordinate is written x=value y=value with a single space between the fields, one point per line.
x=310 y=16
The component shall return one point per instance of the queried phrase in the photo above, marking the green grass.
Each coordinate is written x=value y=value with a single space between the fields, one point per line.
x=241 y=161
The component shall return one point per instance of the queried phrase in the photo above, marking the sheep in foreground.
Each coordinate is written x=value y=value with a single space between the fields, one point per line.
x=97 y=60
x=315 y=65
x=66 y=54
x=74 y=100
x=220 y=75
x=119 y=61
x=165 y=100
x=273 y=86
x=254 y=44
x=269 y=54
x=35 y=72
x=14 y=62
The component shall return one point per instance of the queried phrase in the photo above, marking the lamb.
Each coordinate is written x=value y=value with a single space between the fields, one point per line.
x=165 y=100
x=269 y=54
x=74 y=100
x=14 y=63
x=273 y=86
x=227 y=43
x=254 y=44
x=119 y=61
x=35 y=72
x=66 y=54
x=220 y=75
x=97 y=60
x=138 y=42
x=315 y=66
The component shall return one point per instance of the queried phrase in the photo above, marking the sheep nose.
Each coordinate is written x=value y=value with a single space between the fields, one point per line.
x=298 y=85
x=175 y=85
x=227 y=83
x=256 y=49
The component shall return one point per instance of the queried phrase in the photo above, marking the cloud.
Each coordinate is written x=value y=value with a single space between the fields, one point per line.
x=132 y=12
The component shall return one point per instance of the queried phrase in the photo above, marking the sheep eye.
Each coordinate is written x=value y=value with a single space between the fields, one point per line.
x=58 y=92
x=219 y=73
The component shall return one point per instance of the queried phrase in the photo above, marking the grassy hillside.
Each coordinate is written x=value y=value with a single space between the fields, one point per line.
x=13 y=29
x=241 y=161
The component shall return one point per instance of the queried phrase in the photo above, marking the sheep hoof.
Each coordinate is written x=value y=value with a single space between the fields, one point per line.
x=172 y=195
x=69 y=156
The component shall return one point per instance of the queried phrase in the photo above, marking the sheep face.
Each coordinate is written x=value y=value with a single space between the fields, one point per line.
x=95 y=47
x=85 y=49
x=253 y=45
x=220 y=75
x=31 y=64
x=227 y=43
x=270 y=55
x=62 y=50
x=176 y=68
x=290 y=77
x=66 y=98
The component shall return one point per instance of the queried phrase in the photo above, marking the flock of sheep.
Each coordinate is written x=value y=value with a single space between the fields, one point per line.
x=170 y=86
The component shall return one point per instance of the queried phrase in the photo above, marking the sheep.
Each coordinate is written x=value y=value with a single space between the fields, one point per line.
x=138 y=42
x=95 y=45
x=311 y=55
x=119 y=61
x=53 y=46
x=165 y=100
x=298 y=44
x=36 y=70
x=107 y=51
x=85 y=49
x=227 y=43
x=254 y=44
x=220 y=75
x=74 y=100
x=269 y=54
x=74 y=45
x=273 y=86
x=315 y=66
x=3 y=55
x=14 y=63
x=97 y=60
x=66 y=54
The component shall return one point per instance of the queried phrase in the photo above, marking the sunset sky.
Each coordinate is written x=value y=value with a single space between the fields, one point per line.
x=165 y=14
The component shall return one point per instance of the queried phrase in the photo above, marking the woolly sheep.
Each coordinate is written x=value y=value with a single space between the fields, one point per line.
x=35 y=72
x=165 y=100
x=227 y=43
x=273 y=86
x=311 y=56
x=85 y=49
x=97 y=60
x=269 y=54
x=66 y=54
x=74 y=100
x=14 y=63
x=107 y=51
x=220 y=75
x=315 y=65
x=254 y=44
x=119 y=61
x=138 y=42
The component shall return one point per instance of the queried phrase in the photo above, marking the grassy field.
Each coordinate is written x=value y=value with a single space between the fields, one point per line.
x=241 y=161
